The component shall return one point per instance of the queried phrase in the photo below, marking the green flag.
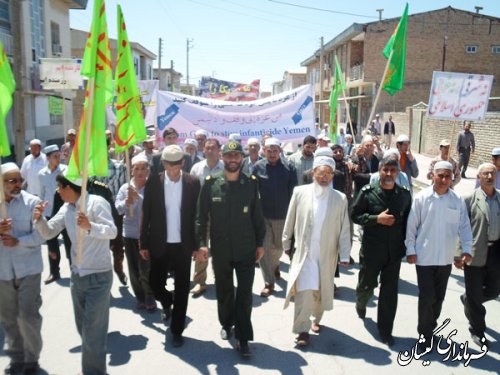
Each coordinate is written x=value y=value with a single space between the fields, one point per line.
x=337 y=88
x=7 y=88
x=130 y=128
x=96 y=63
x=395 y=76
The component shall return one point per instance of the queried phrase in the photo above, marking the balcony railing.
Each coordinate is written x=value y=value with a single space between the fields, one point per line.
x=356 y=72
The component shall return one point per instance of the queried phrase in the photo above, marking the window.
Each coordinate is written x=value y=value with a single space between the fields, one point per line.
x=56 y=40
x=495 y=50
x=471 y=49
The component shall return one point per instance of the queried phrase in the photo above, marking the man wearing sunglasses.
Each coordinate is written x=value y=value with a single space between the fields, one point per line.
x=20 y=275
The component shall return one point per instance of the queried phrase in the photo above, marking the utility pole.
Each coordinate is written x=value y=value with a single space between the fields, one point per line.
x=19 y=75
x=160 y=52
x=379 y=14
x=189 y=45
x=320 y=95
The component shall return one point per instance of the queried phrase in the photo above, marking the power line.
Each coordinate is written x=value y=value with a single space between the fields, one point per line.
x=321 y=9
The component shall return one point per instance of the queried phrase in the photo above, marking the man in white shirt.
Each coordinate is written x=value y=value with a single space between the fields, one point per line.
x=32 y=164
x=437 y=220
x=207 y=167
x=318 y=219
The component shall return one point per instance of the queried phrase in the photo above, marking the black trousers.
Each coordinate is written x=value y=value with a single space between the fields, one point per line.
x=177 y=259
x=432 y=282
x=482 y=284
x=234 y=309
x=464 y=157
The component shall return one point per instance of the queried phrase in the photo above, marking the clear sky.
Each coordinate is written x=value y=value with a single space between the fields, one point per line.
x=243 y=40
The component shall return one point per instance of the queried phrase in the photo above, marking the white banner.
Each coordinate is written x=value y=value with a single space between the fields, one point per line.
x=288 y=116
x=148 y=91
x=61 y=74
x=459 y=96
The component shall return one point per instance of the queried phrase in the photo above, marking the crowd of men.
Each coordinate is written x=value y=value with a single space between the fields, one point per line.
x=242 y=205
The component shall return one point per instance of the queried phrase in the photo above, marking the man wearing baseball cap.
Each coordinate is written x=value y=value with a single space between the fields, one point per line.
x=67 y=148
x=444 y=154
x=229 y=200
x=407 y=162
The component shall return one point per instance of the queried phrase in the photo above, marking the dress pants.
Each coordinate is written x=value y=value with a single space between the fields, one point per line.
x=91 y=295
x=138 y=270
x=369 y=271
x=273 y=249
x=482 y=284
x=234 y=310
x=175 y=258
x=117 y=248
x=464 y=157
x=20 y=318
x=432 y=282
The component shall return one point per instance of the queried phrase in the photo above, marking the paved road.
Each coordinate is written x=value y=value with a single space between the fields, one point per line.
x=346 y=344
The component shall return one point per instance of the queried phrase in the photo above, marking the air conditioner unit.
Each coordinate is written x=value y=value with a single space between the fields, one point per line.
x=56 y=49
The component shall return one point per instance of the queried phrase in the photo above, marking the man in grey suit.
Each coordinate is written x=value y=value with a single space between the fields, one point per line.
x=482 y=276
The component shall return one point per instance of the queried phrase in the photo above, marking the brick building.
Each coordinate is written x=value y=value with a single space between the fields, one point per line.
x=446 y=39
x=292 y=79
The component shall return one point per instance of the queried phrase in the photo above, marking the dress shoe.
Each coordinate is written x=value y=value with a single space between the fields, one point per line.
x=302 y=339
x=244 y=349
x=315 y=327
x=177 y=340
x=267 y=291
x=225 y=333
x=166 y=314
x=31 y=368
x=150 y=307
x=52 y=278
x=387 y=338
x=361 y=312
x=480 y=340
x=277 y=273
x=123 y=278
x=198 y=290
x=14 y=369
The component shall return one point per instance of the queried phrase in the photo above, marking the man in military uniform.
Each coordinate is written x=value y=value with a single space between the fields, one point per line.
x=383 y=210
x=230 y=200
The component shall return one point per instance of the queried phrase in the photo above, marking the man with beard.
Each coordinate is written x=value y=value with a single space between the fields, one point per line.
x=20 y=273
x=465 y=145
x=318 y=219
x=302 y=160
x=382 y=209
x=230 y=201
x=32 y=164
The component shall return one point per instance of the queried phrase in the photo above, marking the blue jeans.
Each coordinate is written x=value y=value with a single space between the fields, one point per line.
x=91 y=297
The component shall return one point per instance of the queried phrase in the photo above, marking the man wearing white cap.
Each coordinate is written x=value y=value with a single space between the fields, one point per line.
x=191 y=148
x=92 y=277
x=253 y=155
x=378 y=124
x=168 y=235
x=32 y=164
x=235 y=137
x=438 y=219
x=48 y=187
x=407 y=163
x=444 y=154
x=482 y=276
x=201 y=136
x=20 y=274
x=67 y=148
x=277 y=179
x=129 y=204
x=318 y=219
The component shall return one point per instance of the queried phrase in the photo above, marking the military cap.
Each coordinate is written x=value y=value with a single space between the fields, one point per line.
x=232 y=146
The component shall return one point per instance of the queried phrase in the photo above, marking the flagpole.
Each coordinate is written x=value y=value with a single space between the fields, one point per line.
x=127 y=167
x=349 y=117
x=88 y=124
x=374 y=107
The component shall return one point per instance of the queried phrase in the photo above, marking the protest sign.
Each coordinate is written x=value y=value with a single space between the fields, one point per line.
x=288 y=116
x=230 y=91
x=61 y=74
x=459 y=96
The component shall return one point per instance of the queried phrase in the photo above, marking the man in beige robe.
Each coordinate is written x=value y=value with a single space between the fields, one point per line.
x=318 y=219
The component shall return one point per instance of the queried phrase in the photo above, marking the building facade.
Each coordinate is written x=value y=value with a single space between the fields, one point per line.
x=292 y=79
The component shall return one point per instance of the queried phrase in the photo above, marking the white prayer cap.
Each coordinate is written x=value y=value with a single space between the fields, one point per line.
x=403 y=138
x=495 y=151
x=191 y=141
x=35 y=141
x=253 y=141
x=201 y=132
x=77 y=182
x=141 y=158
x=235 y=137
x=323 y=151
x=323 y=160
x=10 y=167
x=71 y=131
x=390 y=152
x=485 y=165
x=172 y=153
x=272 y=142
x=377 y=115
x=443 y=164
x=348 y=136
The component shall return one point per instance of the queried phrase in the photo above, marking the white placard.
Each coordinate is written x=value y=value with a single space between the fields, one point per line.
x=459 y=96
x=61 y=74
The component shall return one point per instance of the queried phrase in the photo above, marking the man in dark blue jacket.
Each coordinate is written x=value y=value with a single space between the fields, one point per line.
x=277 y=178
